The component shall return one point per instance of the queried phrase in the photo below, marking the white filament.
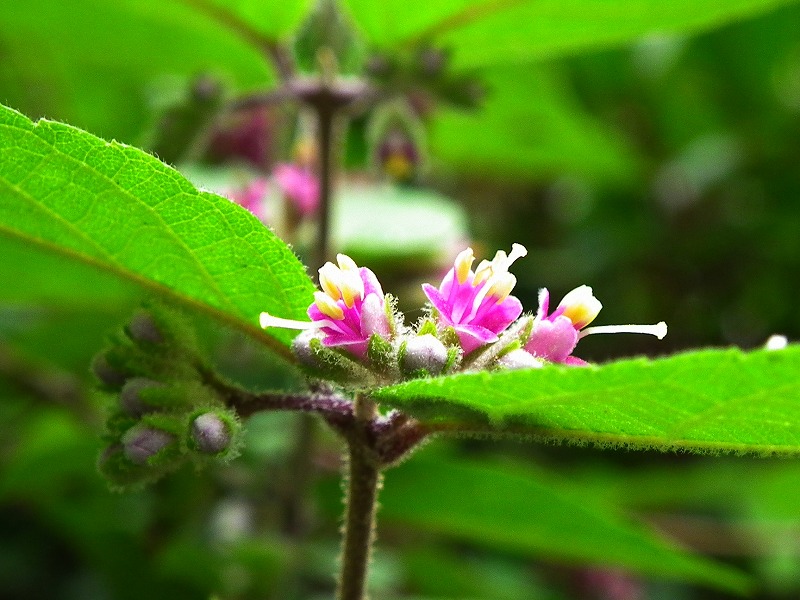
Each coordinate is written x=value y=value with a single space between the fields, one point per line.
x=267 y=320
x=659 y=329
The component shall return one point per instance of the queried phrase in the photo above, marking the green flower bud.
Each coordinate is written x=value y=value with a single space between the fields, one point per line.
x=130 y=397
x=210 y=433
x=141 y=443
x=424 y=353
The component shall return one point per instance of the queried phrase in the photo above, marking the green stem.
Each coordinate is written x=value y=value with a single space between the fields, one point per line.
x=364 y=481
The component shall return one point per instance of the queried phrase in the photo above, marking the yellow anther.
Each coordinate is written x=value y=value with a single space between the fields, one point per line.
x=463 y=264
x=346 y=263
x=327 y=306
x=501 y=286
x=483 y=272
x=330 y=279
x=580 y=306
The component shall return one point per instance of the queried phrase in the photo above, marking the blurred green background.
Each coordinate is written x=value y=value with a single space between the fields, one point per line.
x=652 y=155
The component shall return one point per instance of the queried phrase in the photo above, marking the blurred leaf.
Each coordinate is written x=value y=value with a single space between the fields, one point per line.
x=396 y=224
x=441 y=574
x=24 y=267
x=530 y=126
x=489 y=32
x=273 y=20
x=96 y=64
x=521 y=511
x=710 y=400
x=121 y=210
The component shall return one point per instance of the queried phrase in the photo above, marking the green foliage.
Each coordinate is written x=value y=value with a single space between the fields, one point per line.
x=706 y=401
x=489 y=32
x=98 y=64
x=123 y=211
x=527 y=512
x=530 y=126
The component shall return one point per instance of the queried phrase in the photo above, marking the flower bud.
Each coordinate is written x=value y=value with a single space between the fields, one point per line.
x=141 y=443
x=108 y=375
x=424 y=352
x=519 y=359
x=130 y=399
x=143 y=328
x=301 y=347
x=210 y=433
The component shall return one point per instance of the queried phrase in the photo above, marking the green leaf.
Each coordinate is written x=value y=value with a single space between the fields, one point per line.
x=490 y=32
x=121 y=210
x=531 y=126
x=98 y=64
x=273 y=20
x=710 y=400
x=526 y=512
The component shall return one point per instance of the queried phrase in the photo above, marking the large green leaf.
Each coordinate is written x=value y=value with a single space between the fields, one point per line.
x=530 y=126
x=100 y=64
x=489 y=32
x=526 y=512
x=711 y=400
x=121 y=210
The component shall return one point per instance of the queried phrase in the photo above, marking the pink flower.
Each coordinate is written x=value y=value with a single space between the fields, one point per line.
x=555 y=336
x=348 y=311
x=300 y=187
x=252 y=197
x=477 y=304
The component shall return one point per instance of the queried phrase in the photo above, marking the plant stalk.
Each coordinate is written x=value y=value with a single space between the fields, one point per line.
x=363 y=482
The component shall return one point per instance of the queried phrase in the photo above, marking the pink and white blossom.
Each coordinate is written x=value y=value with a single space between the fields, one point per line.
x=348 y=311
x=555 y=335
x=477 y=304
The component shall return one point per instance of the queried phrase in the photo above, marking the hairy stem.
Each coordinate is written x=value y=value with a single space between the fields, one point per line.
x=363 y=482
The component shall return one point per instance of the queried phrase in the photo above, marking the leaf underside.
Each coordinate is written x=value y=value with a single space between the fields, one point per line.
x=706 y=401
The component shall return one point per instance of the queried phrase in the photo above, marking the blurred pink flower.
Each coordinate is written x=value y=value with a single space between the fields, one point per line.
x=300 y=186
x=252 y=197
x=477 y=304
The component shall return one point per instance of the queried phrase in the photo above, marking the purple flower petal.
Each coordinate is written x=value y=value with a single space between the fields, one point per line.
x=439 y=302
x=473 y=337
x=553 y=340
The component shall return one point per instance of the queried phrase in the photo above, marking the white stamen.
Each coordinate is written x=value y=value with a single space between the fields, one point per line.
x=517 y=251
x=659 y=329
x=267 y=320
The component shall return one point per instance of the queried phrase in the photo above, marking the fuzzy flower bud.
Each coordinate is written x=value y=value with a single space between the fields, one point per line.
x=130 y=397
x=141 y=443
x=143 y=328
x=424 y=352
x=519 y=359
x=210 y=433
x=106 y=374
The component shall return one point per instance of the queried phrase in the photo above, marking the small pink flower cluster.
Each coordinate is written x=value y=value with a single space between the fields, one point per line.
x=476 y=305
